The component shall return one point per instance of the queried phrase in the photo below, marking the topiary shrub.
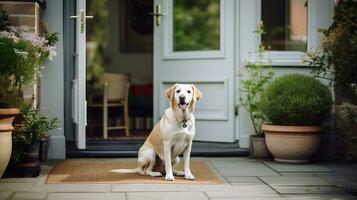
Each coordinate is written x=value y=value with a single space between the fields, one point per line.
x=296 y=99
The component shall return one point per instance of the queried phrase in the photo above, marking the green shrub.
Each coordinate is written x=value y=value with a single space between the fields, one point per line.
x=296 y=99
x=10 y=97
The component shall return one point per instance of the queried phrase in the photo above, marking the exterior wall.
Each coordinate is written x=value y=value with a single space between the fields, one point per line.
x=52 y=101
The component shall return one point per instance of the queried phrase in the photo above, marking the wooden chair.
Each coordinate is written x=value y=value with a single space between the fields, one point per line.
x=116 y=93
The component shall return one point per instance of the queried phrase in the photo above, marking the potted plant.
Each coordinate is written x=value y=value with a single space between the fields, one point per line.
x=296 y=105
x=22 y=53
x=250 y=89
x=331 y=62
x=10 y=101
x=27 y=138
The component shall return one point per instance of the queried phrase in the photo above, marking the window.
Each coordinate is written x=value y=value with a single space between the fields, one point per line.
x=285 y=24
x=196 y=25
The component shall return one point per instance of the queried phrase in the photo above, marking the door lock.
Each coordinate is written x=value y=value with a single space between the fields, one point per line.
x=82 y=18
x=157 y=14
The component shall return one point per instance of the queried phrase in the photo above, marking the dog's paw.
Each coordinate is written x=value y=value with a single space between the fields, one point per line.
x=169 y=177
x=154 y=174
x=178 y=173
x=190 y=177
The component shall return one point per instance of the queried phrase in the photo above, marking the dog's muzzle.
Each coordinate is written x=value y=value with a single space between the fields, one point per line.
x=183 y=105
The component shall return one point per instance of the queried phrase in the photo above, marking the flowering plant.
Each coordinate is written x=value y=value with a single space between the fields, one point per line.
x=252 y=87
x=22 y=53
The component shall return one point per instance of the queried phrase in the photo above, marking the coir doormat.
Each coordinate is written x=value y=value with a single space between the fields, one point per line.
x=97 y=171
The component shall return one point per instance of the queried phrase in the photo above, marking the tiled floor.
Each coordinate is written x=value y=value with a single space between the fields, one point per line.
x=244 y=179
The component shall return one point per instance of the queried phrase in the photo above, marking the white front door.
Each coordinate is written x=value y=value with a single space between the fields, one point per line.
x=79 y=82
x=194 y=43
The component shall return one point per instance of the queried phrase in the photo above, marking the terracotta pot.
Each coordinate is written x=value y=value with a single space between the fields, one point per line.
x=292 y=144
x=7 y=116
x=258 y=148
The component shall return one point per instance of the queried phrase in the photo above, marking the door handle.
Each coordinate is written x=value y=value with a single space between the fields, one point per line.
x=157 y=14
x=82 y=17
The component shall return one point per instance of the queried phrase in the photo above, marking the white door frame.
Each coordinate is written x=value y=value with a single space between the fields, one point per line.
x=79 y=114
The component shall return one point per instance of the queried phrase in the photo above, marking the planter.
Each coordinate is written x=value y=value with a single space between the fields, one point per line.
x=30 y=160
x=258 y=148
x=30 y=153
x=43 y=153
x=292 y=144
x=7 y=116
x=346 y=137
x=28 y=165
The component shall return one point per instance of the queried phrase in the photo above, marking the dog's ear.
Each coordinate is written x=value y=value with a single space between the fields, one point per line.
x=170 y=92
x=197 y=94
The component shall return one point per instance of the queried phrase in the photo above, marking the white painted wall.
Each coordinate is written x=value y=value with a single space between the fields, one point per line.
x=52 y=95
x=139 y=65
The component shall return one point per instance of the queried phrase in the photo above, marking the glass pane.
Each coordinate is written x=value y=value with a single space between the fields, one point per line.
x=196 y=25
x=285 y=24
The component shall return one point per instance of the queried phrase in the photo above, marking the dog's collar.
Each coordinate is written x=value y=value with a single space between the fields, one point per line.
x=184 y=123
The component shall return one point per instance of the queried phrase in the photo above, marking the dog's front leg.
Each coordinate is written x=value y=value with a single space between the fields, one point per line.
x=186 y=160
x=168 y=167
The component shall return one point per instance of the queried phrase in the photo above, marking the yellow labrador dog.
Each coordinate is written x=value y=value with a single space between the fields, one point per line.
x=171 y=136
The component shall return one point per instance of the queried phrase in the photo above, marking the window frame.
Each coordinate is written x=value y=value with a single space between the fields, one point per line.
x=319 y=16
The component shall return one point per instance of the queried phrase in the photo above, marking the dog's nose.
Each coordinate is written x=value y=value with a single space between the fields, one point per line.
x=182 y=98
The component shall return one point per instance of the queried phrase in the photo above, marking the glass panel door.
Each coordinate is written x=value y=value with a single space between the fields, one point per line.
x=194 y=44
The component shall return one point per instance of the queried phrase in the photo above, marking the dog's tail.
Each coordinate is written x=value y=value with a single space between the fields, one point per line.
x=126 y=171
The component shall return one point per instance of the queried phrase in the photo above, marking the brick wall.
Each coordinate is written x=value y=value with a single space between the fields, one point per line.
x=27 y=13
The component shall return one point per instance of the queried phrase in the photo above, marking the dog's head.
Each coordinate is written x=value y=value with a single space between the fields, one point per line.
x=183 y=96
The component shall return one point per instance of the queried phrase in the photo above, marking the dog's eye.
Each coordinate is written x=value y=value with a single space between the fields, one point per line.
x=178 y=91
x=189 y=91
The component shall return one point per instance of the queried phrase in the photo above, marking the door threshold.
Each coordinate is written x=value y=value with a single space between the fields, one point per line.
x=110 y=149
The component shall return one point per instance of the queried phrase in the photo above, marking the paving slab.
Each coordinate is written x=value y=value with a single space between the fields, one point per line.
x=166 y=196
x=5 y=194
x=84 y=188
x=86 y=196
x=249 y=198
x=236 y=180
x=343 y=167
x=320 y=197
x=148 y=188
x=19 y=180
x=29 y=196
x=286 y=167
x=242 y=194
x=308 y=190
x=232 y=162
x=295 y=181
x=247 y=169
x=223 y=188
x=15 y=186
x=343 y=182
x=297 y=174
x=30 y=187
